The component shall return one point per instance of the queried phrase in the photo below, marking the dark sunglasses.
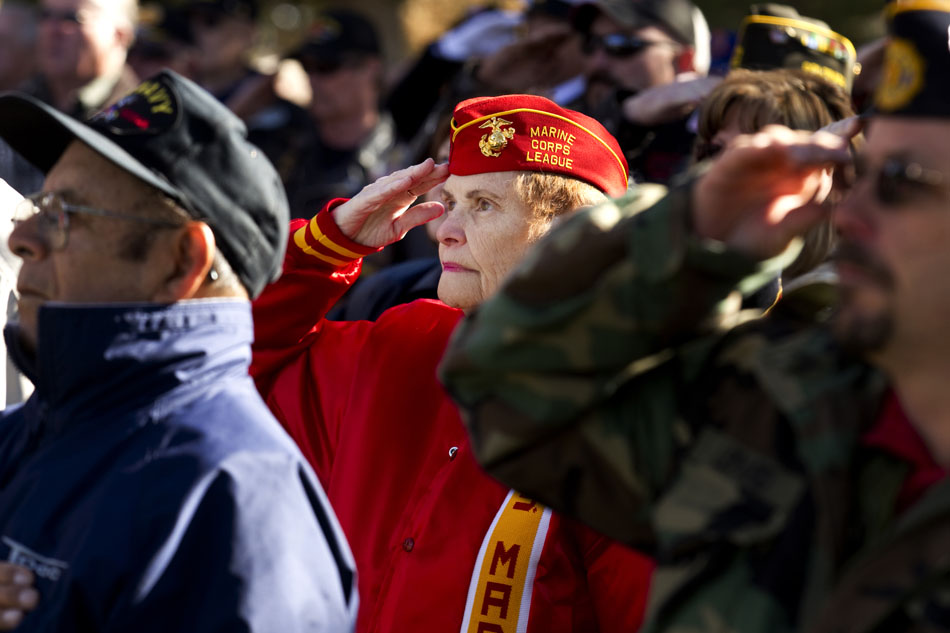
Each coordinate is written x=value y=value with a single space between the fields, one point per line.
x=897 y=181
x=618 y=44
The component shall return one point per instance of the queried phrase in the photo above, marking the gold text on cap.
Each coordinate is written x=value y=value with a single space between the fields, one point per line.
x=492 y=144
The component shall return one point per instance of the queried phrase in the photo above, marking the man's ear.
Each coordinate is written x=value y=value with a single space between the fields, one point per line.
x=685 y=60
x=125 y=35
x=192 y=250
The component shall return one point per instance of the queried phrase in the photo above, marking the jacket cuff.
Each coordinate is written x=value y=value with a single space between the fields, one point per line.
x=321 y=238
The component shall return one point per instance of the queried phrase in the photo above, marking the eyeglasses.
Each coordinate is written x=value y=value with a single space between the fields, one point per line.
x=898 y=182
x=53 y=214
x=618 y=44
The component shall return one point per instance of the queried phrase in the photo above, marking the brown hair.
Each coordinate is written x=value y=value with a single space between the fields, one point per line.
x=552 y=195
x=796 y=99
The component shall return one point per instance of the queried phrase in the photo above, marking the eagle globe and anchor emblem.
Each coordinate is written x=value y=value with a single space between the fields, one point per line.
x=493 y=143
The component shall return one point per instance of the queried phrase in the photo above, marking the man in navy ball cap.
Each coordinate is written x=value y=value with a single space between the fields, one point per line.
x=145 y=486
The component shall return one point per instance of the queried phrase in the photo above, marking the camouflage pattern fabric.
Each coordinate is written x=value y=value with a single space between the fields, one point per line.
x=613 y=380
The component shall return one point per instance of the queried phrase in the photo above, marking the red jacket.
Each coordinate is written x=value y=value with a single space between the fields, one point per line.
x=363 y=402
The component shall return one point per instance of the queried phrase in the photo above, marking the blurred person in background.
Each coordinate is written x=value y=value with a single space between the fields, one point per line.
x=744 y=103
x=489 y=52
x=439 y=546
x=165 y=42
x=225 y=33
x=17 y=43
x=631 y=47
x=810 y=91
x=81 y=53
x=350 y=139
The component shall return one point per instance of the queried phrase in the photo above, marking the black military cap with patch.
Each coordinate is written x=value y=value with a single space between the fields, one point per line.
x=176 y=137
x=916 y=60
x=775 y=36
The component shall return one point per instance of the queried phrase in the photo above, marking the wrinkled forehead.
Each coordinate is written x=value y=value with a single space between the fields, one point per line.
x=84 y=172
x=500 y=183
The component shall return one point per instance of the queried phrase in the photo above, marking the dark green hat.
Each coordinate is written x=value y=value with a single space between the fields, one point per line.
x=775 y=36
x=916 y=60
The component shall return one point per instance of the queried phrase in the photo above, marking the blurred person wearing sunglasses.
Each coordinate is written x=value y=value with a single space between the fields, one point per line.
x=164 y=40
x=81 y=52
x=791 y=70
x=350 y=140
x=225 y=32
x=490 y=51
x=790 y=472
x=771 y=36
x=632 y=47
x=144 y=486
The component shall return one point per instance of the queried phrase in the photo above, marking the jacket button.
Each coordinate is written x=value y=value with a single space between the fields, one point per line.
x=452 y=452
x=408 y=544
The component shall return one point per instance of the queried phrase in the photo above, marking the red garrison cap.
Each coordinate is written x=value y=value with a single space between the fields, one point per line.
x=531 y=133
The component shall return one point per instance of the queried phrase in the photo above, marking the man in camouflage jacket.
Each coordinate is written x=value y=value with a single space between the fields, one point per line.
x=788 y=473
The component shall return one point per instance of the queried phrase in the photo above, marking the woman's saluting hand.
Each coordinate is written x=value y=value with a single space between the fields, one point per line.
x=381 y=213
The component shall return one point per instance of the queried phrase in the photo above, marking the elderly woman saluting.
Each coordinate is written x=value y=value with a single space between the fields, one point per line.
x=439 y=545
